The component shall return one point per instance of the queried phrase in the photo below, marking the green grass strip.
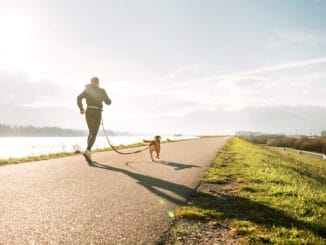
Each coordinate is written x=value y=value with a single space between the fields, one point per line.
x=267 y=196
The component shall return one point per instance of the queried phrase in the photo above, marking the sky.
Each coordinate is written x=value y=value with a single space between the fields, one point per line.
x=163 y=58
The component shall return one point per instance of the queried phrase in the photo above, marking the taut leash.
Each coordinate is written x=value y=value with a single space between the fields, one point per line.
x=117 y=151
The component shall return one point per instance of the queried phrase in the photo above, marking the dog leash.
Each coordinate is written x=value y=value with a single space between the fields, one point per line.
x=117 y=151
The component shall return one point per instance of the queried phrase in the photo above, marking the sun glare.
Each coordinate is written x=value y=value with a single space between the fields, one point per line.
x=14 y=27
x=16 y=34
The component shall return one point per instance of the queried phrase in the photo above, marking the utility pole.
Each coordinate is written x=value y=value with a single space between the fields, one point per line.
x=310 y=132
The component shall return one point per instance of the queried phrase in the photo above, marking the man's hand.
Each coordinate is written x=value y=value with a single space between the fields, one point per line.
x=82 y=111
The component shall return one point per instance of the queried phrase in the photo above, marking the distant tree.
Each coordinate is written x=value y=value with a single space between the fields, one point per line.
x=317 y=144
x=30 y=131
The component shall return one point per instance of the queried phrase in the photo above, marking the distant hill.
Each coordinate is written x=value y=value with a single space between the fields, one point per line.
x=40 y=117
x=44 y=122
x=278 y=119
x=31 y=131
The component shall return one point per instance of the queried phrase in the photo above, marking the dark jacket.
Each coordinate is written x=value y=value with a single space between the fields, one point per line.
x=94 y=95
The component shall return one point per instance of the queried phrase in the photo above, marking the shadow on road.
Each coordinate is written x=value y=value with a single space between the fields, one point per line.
x=154 y=184
x=176 y=166
x=231 y=206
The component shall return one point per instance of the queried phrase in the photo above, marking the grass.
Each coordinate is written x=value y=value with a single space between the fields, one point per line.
x=265 y=196
x=59 y=155
x=180 y=232
x=193 y=212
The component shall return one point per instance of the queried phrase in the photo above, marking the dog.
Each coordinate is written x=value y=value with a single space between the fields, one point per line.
x=154 y=145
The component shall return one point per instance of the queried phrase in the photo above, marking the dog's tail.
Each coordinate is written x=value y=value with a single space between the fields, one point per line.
x=147 y=141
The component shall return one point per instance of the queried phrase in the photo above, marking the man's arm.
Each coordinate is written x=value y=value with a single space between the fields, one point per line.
x=106 y=98
x=79 y=101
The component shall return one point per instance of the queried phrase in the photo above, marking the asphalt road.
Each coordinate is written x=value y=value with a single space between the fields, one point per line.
x=124 y=199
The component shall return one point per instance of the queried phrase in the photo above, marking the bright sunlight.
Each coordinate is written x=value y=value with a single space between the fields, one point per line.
x=16 y=36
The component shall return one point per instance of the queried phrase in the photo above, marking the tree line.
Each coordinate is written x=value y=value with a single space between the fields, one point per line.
x=31 y=131
x=315 y=144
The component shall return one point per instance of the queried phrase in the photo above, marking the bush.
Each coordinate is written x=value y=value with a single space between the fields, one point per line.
x=302 y=143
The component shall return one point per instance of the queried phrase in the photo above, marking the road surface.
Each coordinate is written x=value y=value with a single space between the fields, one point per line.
x=124 y=199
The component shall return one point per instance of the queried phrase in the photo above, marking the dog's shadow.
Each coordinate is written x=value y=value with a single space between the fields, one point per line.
x=176 y=166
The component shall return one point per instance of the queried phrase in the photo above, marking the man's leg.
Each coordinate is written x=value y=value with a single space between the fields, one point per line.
x=93 y=119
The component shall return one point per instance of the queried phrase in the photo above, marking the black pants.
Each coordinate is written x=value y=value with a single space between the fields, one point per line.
x=93 y=119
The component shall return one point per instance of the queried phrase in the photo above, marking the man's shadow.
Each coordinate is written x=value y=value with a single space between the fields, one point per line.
x=153 y=184
x=231 y=207
x=176 y=166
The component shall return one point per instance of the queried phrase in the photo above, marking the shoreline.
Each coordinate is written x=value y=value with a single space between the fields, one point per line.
x=18 y=160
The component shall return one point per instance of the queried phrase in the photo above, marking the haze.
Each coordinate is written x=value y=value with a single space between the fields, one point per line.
x=169 y=66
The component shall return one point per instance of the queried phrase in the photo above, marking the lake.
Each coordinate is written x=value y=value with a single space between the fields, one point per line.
x=35 y=146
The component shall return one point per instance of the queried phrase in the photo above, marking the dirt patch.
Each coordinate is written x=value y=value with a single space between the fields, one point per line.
x=202 y=232
x=207 y=230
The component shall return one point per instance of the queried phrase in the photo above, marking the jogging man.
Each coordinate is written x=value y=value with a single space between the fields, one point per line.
x=95 y=96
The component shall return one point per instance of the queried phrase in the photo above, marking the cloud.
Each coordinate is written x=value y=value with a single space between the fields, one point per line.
x=286 y=66
x=182 y=71
x=17 y=89
x=313 y=37
x=171 y=103
x=277 y=67
x=250 y=82
x=240 y=91
x=252 y=88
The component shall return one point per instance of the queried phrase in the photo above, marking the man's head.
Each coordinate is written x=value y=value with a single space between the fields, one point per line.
x=95 y=81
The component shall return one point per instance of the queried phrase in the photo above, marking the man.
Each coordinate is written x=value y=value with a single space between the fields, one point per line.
x=95 y=96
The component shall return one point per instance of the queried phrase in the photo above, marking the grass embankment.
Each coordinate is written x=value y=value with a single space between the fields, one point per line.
x=262 y=196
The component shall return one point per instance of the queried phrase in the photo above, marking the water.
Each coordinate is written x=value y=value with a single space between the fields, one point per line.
x=35 y=146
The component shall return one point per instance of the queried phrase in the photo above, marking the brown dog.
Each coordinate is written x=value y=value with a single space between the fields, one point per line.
x=154 y=145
